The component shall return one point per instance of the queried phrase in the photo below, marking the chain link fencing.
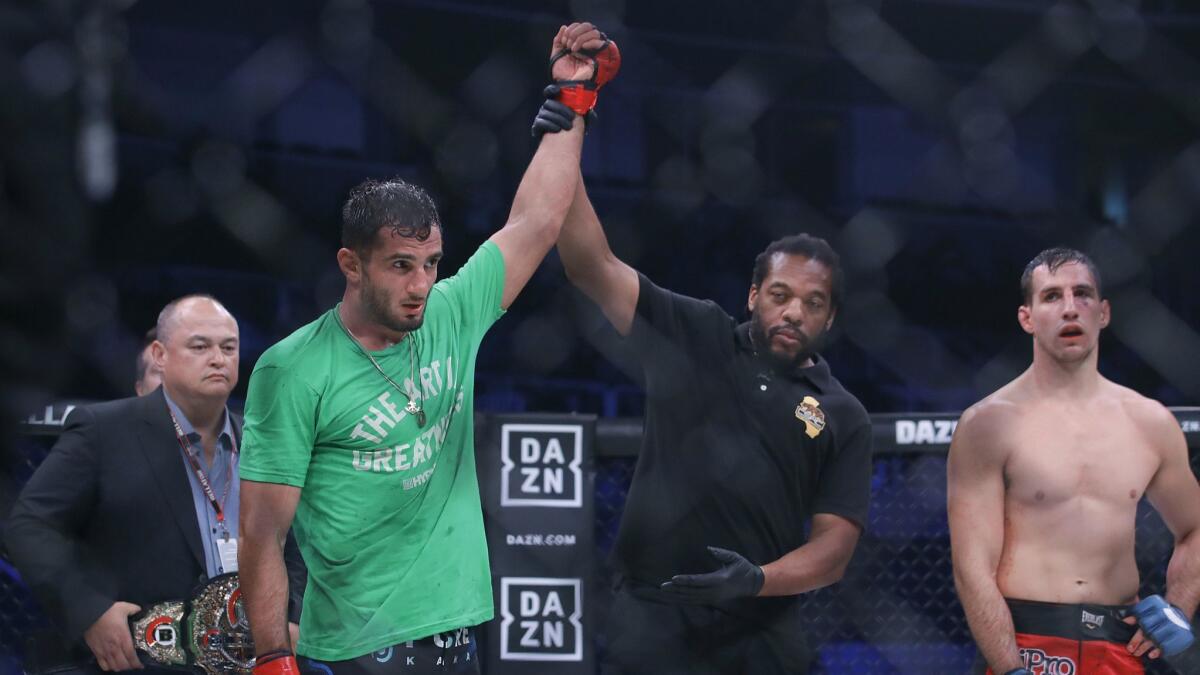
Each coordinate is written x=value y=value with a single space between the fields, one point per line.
x=153 y=150
x=938 y=145
x=894 y=612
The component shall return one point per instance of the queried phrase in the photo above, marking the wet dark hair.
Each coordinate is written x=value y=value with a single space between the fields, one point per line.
x=1054 y=258
x=814 y=248
x=394 y=203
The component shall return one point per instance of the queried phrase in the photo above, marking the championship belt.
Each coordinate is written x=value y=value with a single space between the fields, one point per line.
x=208 y=632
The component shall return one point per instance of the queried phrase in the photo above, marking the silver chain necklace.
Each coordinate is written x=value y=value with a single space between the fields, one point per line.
x=412 y=408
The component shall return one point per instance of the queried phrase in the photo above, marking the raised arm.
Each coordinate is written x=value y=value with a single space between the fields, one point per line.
x=582 y=245
x=976 y=510
x=266 y=515
x=546 y=190
x=591 y=265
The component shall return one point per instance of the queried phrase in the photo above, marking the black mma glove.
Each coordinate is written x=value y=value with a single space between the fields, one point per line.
x=737 y=578
x=554 y=116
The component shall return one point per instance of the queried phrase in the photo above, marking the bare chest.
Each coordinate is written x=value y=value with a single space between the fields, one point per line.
x=1054 y=459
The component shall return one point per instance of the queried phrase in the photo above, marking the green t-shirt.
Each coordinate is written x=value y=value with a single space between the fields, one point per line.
x=389 y=520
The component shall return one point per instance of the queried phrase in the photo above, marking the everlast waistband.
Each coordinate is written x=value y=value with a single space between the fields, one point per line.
x=1072 y=622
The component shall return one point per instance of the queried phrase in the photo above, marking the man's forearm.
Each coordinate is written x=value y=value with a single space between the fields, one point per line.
x=538 y=210
x=990 y=621
x=548 y=186
x=1183 y=574
x=582 y=245
x=805 y=569
x=591 y=265
x=264 y=585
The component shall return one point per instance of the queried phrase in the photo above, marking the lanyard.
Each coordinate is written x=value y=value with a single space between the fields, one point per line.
x=185 y=446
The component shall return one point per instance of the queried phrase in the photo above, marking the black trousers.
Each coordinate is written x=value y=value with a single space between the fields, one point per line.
x=645 y=636
x=453 y=652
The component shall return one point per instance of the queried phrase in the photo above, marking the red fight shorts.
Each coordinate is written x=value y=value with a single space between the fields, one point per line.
x=1059 y=639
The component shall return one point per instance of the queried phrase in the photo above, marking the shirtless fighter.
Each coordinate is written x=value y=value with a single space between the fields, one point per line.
x=1044 y=481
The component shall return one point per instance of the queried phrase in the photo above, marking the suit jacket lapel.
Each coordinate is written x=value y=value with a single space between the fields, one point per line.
x=160 y=446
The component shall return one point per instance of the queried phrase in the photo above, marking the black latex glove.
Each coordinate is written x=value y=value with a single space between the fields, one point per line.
x=737 y=578
x=554 y=116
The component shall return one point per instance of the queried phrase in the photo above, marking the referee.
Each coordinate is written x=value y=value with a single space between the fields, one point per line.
x=748 y=439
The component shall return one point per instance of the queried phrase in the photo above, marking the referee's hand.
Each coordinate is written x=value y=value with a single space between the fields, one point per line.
x=737 y=578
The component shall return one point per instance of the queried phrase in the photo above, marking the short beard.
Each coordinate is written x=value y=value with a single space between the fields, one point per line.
x=377 y=305
x=762 y=346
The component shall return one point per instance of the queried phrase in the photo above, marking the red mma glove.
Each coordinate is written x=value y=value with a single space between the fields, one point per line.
x=579 y=94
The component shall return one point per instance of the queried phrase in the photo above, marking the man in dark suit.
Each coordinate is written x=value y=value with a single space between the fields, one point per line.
x=138 y=500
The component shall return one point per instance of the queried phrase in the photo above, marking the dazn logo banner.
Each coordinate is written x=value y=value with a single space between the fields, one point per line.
x=541 y=619
x=540 y=465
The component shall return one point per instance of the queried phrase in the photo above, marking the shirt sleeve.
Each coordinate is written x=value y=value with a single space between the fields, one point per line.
x=845 y=483
x=280 y=417
x=475 y=292
x=667 y=320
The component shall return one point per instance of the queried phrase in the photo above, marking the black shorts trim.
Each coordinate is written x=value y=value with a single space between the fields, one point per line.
x=454 y=651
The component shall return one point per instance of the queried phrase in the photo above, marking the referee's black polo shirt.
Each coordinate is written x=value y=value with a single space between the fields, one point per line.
x=735 y=454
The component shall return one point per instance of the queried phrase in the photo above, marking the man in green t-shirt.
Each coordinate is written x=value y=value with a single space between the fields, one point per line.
x=359 y=425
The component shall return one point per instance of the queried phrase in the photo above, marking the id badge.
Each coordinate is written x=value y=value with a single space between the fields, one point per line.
x=227 y=551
